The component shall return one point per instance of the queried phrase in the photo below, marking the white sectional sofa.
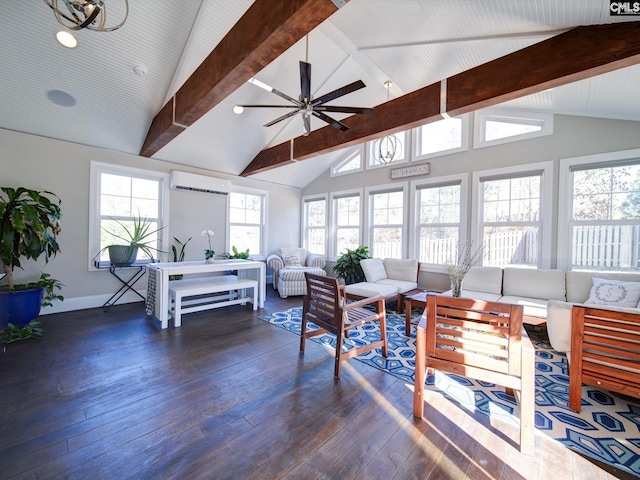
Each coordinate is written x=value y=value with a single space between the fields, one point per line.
x=389 y=278
x=548 y=295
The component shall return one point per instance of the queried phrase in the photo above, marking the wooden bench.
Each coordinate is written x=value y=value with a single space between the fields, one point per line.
x=208 y=293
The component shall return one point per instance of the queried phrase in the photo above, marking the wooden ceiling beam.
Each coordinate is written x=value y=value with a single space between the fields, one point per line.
x=577 y=54
x=266 y=30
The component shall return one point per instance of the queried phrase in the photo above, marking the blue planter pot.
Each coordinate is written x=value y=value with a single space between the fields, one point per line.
x=20 y=307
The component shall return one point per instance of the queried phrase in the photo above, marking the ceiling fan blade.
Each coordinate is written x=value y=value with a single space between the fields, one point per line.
x=306 y=121
x=329 y=108
x=330 y=121
x=305 y=81
x=283 y=117
x=287 y=97
x=352 y=87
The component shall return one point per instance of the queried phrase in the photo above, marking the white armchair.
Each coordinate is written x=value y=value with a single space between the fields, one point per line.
x=289 y=266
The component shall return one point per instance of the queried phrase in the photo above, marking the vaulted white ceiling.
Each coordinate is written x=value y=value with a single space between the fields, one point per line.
x=412 y=43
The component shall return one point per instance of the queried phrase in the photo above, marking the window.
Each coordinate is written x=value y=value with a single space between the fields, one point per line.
x=381 y=145
x=386 y=224
x=120 y=194
x=247 y=221
x=315 y=225
x=439 y=209
x=442 y=137
x=347 y=221
x=603 y=230
x=493 y=127
x=350 y=164
x=512 y=206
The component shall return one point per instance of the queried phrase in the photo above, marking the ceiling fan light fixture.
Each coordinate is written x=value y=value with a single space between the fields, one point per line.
x=238 y=109
x=89 y=14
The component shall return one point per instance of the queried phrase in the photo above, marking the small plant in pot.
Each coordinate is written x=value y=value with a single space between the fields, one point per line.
x=348 y=266
x=139 y=235
x=238 y=255
x=29 y=226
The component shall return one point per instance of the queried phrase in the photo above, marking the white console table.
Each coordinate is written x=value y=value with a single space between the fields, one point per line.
x=158 y=273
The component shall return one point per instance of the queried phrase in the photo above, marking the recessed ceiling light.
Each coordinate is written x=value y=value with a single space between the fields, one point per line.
x=66 y=39
x=62 y=98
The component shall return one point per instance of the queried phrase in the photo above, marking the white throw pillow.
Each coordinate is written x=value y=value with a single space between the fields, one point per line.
x=559 y=325
x=614 y=293
x=291 y=260
x=401 y=269
x=373 y=269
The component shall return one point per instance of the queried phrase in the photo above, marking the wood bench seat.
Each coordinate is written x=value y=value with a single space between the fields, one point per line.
x=208 y=293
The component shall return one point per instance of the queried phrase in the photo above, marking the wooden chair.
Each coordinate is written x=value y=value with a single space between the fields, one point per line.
x=605 y=352
x=482 y=340
x=326 y=306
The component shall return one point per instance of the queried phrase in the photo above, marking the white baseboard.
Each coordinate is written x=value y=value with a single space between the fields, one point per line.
x=92 y=301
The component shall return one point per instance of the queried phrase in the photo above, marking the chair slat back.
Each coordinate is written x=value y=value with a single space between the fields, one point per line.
x=476 y=333
x=324 y=301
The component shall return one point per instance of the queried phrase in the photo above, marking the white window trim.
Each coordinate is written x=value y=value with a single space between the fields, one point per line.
x=415 y=210
x=369 y=162
x=464 y=144
x=345 y=159
x=265 y=218
x=481 y=116
x=565 y=196
x=95 y=169
x=546 y=207
x=332 y=231
x=303 y=219
x=368 y=214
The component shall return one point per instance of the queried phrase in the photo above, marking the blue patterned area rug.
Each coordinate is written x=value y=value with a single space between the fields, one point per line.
x=607 y=429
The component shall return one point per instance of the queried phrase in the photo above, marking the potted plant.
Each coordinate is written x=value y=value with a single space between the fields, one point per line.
x=348 y=266
x=138 y=236
x=178 y=255
x=29 y=226
x=236 y=255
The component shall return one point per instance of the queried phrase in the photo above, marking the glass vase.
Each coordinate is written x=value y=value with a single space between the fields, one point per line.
x=456 y=286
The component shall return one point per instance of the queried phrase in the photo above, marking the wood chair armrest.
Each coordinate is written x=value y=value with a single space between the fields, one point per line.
x=365 y=301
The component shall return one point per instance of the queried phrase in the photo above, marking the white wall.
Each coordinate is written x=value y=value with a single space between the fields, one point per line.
x=63 y=168
x=573 y=136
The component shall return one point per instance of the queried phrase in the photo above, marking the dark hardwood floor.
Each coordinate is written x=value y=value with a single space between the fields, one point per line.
x=109 y=396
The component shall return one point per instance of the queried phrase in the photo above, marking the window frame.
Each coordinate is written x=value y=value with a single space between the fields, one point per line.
x=334 y=197
x=368 y=213
x=351 y=154
x=414 y=226
x=565 y=197
x=96 y=169
x=481 y=117
x=264 y=220
x=304 y=241
x=546 y=199
x=417 y=138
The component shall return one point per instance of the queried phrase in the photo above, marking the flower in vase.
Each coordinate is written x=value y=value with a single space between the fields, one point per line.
x=208 y=253
x=457 y=271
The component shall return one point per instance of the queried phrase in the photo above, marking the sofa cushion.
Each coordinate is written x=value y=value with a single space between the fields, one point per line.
x=401 y=285
x=532 y=307
x=579 y=283
x=559 y=325
x=534 y=283
x=614 y=293
x=368 y=289
x=483 y=279
x=401 y=269
x=373 y=269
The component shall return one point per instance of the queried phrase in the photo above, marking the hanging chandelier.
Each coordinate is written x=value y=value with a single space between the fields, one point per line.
x=89 y=14
x=388 y=148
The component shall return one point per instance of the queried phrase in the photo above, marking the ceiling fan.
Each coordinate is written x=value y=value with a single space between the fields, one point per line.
x=307 y=105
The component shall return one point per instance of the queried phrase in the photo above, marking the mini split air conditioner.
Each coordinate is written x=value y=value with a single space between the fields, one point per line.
x=198 y=183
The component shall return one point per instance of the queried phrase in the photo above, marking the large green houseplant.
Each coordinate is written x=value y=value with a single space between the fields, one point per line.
x=348 y=266
x=29 y=226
